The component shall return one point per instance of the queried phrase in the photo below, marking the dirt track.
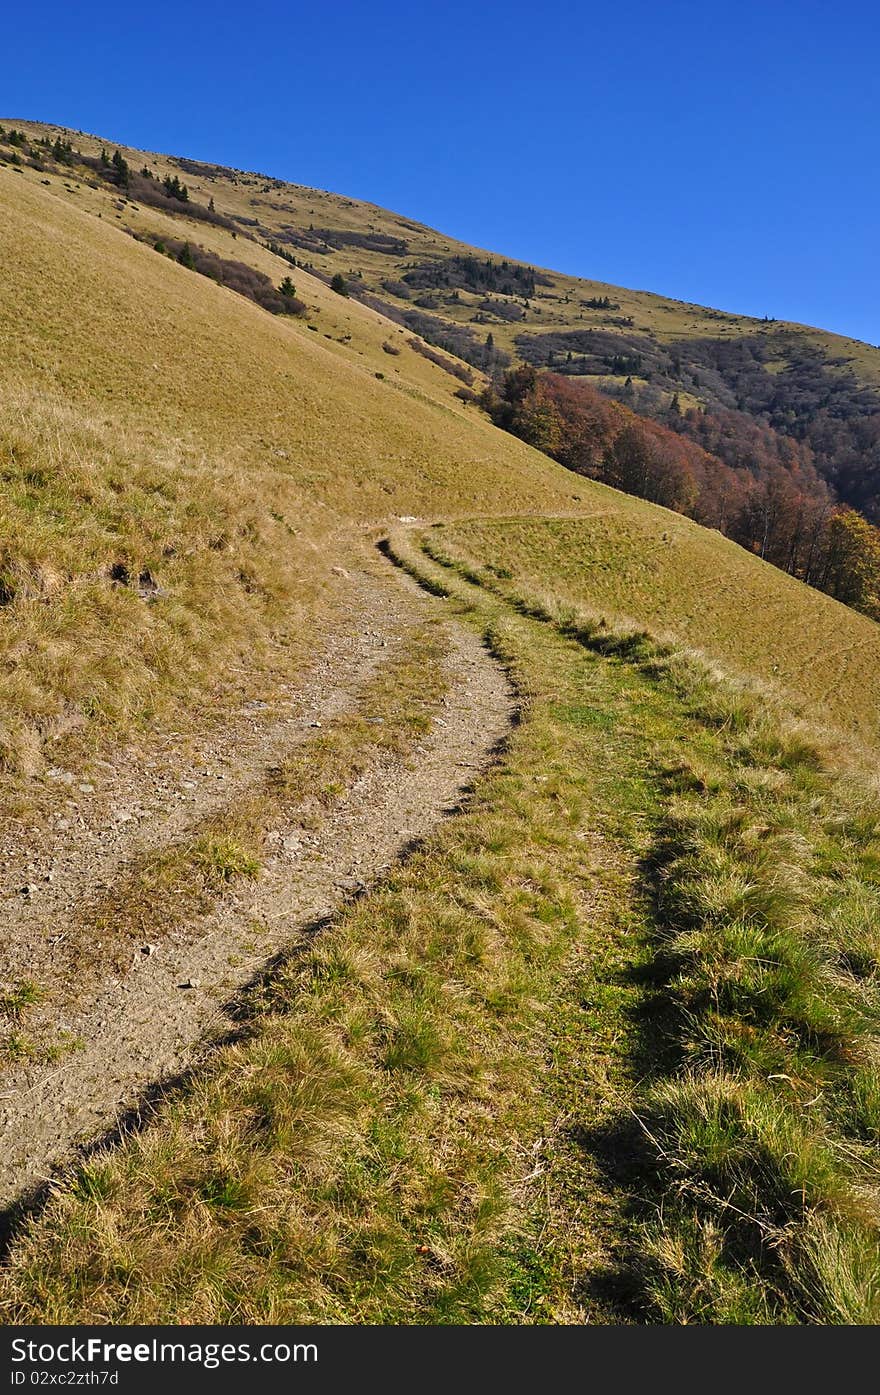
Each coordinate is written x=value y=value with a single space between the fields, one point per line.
x=145 y=1025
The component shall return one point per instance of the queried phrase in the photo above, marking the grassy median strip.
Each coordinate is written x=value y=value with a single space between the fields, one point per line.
x=393 y=710
x=171 y=888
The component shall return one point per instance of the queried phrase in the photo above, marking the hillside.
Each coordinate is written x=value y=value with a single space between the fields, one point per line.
x=116 y=382
x=173 y=431
x=701 y=591
x=437 y=886
x=818 y=388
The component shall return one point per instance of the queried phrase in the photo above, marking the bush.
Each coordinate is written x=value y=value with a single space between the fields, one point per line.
x=339 y=284
x=458 y=370
x=235 y=276
x=174 y=189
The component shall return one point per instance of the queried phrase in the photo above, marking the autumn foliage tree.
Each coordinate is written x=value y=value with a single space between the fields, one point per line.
x=764 y=494
x=597 y=437
x=852 y=561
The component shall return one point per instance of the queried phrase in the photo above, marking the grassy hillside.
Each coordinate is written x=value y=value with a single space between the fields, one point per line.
x=375 y=248
x=167 y=352
x=600 y=1051
x=175 y=461
x=628 y=563
x=603 y=1047
x=175 y=431
x=818 y=393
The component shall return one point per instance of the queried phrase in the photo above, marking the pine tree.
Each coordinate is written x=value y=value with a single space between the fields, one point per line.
x=120 y=165
x=174 y=189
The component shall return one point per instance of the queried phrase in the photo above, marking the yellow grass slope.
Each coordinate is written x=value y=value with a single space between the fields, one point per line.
x=92 y=315
x=560 y=305
x=174 y=461
x=181 y=471
x=630 y=560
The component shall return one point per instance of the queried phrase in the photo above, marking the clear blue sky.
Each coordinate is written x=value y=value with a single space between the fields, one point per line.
x=724 y=153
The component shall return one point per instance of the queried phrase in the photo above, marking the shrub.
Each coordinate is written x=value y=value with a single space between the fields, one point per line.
x=458 y=370
x=174 y=189
x=236 y=276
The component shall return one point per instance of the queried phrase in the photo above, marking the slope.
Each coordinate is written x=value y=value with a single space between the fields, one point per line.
x=175 y=463
x=819 y=388
x=394 y=257
x=406 y=1127
x=820 y=659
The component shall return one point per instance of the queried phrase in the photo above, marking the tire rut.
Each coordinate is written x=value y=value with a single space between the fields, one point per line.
x=155 y=1020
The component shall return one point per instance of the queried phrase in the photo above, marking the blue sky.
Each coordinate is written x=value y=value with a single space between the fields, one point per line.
x=720 y=153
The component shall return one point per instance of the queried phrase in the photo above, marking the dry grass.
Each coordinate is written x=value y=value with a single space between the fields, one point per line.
x=171 y=354
x=557 y=306
x=418 y=1129
x=685 y=582
x=210 y=419
x=170 y=430
x=133 y=575
x=180 y=470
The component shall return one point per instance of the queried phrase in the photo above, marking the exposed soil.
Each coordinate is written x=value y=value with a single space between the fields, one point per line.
x=154 y=1019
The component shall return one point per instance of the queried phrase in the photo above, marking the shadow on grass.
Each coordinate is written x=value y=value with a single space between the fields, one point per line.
x=618 y=1148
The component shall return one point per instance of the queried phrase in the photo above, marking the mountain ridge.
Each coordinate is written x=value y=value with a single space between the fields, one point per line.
x=804 y=383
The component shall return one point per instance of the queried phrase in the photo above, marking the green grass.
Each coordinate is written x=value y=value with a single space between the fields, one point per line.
x=590 y=1054
x=756 y=1093
x=361 y=1157
x=18 y=997
x=639 y=567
